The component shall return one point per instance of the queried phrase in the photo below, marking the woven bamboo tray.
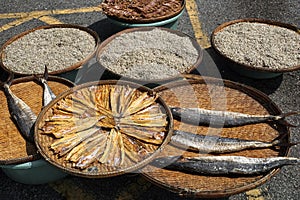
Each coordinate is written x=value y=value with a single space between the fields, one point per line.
x=150 y=20
x=96 y=169
x=239 y=98
x=67 y=68
x=13 y=147
x=249 y=68
x=106 y=42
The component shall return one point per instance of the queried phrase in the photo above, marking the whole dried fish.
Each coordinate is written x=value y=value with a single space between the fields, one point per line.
x=214 y=117
x=224 y=165
x=216 y=144
x=48 y=94
x=22 y=114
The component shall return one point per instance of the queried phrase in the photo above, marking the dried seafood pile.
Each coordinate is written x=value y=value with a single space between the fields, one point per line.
x=141 y=10
x=114 y=125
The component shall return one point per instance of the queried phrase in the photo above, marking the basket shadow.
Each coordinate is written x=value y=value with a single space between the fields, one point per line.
x=212 y=61
x=104 y=28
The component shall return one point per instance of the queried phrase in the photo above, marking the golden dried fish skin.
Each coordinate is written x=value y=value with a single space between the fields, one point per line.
x=111 y=125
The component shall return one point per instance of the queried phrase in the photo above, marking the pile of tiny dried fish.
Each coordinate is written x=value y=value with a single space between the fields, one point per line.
x=115 y=125
x=140 y=10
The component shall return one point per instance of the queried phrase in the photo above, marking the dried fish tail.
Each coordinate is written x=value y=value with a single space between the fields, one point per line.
x=48 y=94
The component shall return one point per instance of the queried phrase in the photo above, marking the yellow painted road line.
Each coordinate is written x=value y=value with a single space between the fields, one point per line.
x=193 y=13
x=255 y=194
x=15 y=23
x=69 y=190
x=25 y=14
x=77 y=10
x=49 y=20
x=49 y=12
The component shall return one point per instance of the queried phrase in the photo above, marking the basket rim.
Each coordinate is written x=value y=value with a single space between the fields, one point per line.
x=153 y=20
x=254 y=93
x=132 y=168
x=254 y=20
x=68 y=68
x=25 y=79
x=106 y=42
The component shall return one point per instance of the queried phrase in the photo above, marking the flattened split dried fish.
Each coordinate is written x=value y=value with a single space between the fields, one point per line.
x=214 y=117
x=224 y=165
x=114 y=125
x=22 y=114
x=216 y=144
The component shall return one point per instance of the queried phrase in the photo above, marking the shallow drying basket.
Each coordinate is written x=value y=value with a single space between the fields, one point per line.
x=68 y=69
x=248 y=70
x=208 y=93
x=106 y=42
x=95 y=169
x=13 y=147
x=148 y=20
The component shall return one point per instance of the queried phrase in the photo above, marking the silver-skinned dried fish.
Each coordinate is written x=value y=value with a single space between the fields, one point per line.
x=216 y=144
x=215 y=117
x=48 y=94
x=21 y=113
x=224 y=165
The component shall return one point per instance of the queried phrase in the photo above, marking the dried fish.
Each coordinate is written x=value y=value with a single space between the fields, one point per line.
x=91 y=151
x=131 y=124
x=77 y=152
x=21 y=113
x=224 y=165
x=216 y=144
x=72 y=126
x=63 y=145
x=142 y=102
x=48 y=94
x=214 y=117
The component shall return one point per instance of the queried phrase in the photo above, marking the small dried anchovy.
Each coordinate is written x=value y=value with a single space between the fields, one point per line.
x=224 y=165
x=214 y=117
x=216 y=144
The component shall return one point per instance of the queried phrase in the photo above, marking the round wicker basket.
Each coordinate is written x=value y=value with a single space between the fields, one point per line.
x=13 y=147
x=60 y=71
x=239 y=98
x=106 y=42
x=248 y=70
x=95 y=169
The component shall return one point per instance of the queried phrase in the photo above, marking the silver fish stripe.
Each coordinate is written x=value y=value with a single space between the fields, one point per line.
x=22 y=114
x=215 y=144
x=48 y=94
x=198 y=116
x=224 y=165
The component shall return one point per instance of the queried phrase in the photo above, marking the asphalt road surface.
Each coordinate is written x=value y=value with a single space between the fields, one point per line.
x=283 y=90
